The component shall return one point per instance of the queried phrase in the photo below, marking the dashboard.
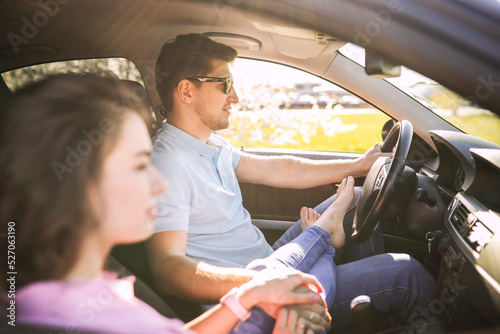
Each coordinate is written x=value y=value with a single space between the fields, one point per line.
x=467 y=174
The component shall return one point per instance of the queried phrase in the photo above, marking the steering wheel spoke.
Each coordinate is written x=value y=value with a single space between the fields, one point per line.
x=383 y=182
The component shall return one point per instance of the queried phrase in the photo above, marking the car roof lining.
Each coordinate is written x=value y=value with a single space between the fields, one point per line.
x=94 y=28
x=114 y=28
x=99 y=38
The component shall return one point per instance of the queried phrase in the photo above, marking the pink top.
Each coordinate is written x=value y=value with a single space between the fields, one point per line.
x=103 y=305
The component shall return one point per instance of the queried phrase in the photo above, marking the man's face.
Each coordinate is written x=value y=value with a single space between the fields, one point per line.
x=213 y=105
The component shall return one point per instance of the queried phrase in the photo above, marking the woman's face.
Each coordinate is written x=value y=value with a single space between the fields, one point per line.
x=129 y=184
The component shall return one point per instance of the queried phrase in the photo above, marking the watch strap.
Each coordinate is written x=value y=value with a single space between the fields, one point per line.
x=230 y=300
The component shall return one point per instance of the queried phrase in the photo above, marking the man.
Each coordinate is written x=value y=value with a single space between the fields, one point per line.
x=204 y=237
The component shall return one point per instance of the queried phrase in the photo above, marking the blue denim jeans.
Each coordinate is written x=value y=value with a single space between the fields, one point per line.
x=309 y=252
x=395 y=282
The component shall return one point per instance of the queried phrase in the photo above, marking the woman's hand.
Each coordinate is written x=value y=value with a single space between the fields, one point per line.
x=273 y=288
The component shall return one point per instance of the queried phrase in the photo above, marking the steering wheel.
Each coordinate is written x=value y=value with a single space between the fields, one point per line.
x=383 y=182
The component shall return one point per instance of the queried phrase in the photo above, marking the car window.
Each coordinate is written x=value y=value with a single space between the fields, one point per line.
x=462 y=112
x=282 y=107
x=121 y=67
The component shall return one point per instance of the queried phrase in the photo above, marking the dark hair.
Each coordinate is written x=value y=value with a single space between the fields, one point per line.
x=54 y=135
x=187 y=55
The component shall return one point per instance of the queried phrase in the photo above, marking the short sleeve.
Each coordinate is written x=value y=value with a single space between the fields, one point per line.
x=235 y=152
x=173 y=204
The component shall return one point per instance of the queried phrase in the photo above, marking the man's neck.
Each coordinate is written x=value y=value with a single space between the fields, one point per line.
x=199 y=131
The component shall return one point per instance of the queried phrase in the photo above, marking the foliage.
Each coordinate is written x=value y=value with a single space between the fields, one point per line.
x=329 y=131
x=119 y=67
x=307 y=129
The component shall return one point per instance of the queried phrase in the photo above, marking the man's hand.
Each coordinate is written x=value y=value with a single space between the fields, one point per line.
x=314 y=316
x=289 y=322
x=368 y=159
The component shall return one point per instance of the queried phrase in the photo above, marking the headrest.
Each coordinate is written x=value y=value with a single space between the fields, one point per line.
x=139 y=90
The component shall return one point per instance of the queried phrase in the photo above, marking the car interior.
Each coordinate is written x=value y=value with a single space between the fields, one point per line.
x=445 y=208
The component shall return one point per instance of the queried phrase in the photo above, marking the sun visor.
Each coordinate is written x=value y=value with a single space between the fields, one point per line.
x=299 y=42
x=235 y=41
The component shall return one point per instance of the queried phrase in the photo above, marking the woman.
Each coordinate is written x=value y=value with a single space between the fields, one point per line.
x=77 y=180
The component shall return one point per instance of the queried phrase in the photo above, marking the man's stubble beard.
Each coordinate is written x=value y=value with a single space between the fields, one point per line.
x=209 y=120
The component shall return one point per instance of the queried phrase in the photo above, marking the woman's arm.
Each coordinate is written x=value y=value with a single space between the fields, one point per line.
x=262 y=291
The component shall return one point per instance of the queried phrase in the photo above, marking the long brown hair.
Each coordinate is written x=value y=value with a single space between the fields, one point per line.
x=54 y=136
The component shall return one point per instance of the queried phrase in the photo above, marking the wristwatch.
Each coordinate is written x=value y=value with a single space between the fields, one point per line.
x=230 y=300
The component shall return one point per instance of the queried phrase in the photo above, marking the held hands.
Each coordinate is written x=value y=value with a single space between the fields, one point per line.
x=272 y=289
x=369 y=158
x=312 y=316
x=289 y=322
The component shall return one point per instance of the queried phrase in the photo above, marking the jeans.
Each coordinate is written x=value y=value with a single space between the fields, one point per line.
x=394 y=282
x=309 y=252
x=350 y=251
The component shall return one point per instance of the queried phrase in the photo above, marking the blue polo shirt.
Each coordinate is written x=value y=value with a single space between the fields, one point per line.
x=204 y=199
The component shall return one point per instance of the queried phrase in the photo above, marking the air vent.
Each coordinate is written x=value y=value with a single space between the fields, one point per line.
x=459 y=218
x=471 y=229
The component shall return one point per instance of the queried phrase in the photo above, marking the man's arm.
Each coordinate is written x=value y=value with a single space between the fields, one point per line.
x=181 y=276
x=300 y=173
x=270 y=294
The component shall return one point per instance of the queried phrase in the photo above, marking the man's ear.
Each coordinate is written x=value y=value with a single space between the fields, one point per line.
x=184 y=91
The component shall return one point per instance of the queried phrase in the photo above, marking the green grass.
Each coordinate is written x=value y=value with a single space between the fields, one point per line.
x=351 y=132
x=367 y=131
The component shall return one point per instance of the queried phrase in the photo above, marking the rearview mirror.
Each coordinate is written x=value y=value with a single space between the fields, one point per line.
x=380 y=67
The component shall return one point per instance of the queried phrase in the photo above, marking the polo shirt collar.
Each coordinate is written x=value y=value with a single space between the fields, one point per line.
x=204 y=149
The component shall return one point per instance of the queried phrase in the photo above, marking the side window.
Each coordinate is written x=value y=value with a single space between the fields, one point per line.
x=121 y=67
x=282 y=107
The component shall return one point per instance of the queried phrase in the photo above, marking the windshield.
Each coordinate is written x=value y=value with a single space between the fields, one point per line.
x=463 y=114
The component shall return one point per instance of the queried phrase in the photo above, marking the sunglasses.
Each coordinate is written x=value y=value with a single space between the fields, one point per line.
x=228 y=81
